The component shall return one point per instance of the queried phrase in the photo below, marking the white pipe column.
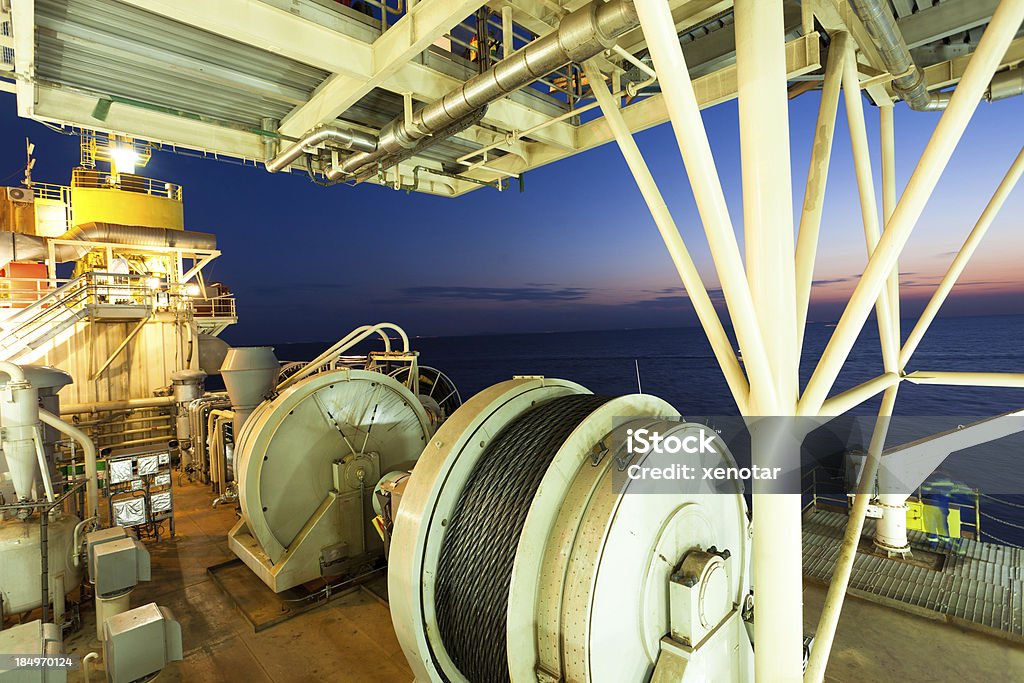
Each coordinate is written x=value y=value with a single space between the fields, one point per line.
x=829 y=619
x=688 y=273
x=868 y=202
x=771 y=272
x=887 y=140
x=688 y=126
x=817 y=179
x=1003 y=27
x=89 y=452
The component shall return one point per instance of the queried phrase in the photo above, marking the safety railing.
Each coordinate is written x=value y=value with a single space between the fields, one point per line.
x=52 y=192
x=91 y=178
x=220 y=307
x=824 y=489
x=61 y=307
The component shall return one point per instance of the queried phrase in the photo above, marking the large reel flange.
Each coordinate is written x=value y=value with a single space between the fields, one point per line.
x=307 y=464
x=582 y=590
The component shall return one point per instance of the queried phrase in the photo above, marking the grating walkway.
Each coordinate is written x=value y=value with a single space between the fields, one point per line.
x=979 y=585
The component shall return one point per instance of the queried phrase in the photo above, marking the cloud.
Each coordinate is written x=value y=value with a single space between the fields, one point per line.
x=534 y=293
x=832 y=281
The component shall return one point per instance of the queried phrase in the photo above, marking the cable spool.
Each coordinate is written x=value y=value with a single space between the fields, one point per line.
x=307 y=463
x=515 y=559
x=436 y=391
x=478 y=552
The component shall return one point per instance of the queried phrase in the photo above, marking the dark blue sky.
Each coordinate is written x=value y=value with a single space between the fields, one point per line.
x=576 y=251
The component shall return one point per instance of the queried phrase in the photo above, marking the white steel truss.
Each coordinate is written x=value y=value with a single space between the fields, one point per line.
x=767 y=301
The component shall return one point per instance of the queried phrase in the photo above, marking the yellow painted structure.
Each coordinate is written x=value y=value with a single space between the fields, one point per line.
x=916 y=519
x=110 y=205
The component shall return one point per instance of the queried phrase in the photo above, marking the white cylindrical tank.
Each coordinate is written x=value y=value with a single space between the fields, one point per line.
x=20 y=570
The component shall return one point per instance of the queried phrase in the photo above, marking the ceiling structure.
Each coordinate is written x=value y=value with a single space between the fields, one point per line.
x=244 y=78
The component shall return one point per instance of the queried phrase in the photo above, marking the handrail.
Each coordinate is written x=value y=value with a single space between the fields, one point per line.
x=345 y=343
x=87 y=178
x=67 y=301
x=844 y=500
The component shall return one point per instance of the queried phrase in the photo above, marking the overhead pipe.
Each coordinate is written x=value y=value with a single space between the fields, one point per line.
x=909 y=82
x=345 y=139
x=1006 y=84
x=579 y=36
x=127 y=404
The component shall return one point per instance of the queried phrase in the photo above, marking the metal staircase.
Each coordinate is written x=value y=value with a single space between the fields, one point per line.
x=23 y=337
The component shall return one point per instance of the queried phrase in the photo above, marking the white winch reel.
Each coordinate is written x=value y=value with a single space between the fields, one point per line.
x=597 y=584
x=307 y=463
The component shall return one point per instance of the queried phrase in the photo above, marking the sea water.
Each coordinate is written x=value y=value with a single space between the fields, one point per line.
x=677 y=365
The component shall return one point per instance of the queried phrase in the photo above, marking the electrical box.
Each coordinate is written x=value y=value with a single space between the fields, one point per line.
x=140 y=642
x=120 y=565
x=98 y=538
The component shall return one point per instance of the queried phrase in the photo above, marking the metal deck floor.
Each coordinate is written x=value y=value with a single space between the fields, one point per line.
x=351 y=640
x=979 y=585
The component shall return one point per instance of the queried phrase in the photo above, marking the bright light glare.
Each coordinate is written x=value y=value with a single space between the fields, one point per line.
x=124 y=158
x=192 y=289
x=153 y=283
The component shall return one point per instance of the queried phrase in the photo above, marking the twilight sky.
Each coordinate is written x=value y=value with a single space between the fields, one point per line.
x=577 y=251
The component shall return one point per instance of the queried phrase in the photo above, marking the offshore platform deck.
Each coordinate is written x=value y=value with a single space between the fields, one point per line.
x=445 y=97
x=969 y=583
x=351 y=639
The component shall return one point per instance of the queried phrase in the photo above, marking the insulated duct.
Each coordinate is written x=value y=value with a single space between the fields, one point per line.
x=345 y=139
x=19 y=247
x=909 y=82
x=579 y=36
x=1006 y=84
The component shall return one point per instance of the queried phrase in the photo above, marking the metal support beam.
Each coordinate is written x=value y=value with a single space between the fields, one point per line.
x=198 y=266
x=887 y=134
x=23 y=27
x=963 y=256
x=968 y=379
x=720 y=342
x=825 y=633
x=67 y=107
x=121 y=347
x=933 y=161
x=817 y=179
x=410 y=35
x=944 y=19
x=851 y=398
x=691 y=136
x=945 y=74
x=802 y=56
x=868 y=203
x=771 y=269
x=257 y=23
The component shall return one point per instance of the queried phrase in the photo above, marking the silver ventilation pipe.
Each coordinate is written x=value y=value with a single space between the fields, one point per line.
x=14 y=246
x=1006 y=84
x=345 y=139
x=909 y=81
x=579 y=36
